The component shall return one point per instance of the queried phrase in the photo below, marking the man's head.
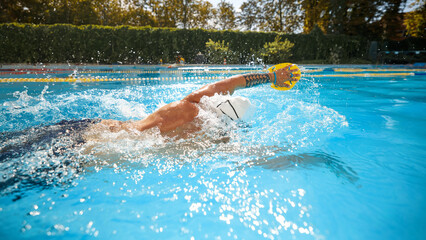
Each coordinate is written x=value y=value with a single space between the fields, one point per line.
x=235 y=107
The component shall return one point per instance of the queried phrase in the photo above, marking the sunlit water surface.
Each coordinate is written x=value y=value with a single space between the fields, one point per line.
x=334 y=158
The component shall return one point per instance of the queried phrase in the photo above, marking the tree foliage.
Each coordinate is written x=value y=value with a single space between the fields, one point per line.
x=60 y=43
x=375 y=19
x=277 y=51
x=226 y=16
x=282 y=16
x=316 y=14
x=368 y=18
x=217 y=52
x=248 y=18
x=271 y=15
x=415 y=22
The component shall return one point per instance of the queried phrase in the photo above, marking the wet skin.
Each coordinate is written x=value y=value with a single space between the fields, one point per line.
x=179 y=113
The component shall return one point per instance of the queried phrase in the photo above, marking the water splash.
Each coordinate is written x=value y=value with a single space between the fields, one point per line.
x=290 y=124
x=27 y=110
x=41 y=156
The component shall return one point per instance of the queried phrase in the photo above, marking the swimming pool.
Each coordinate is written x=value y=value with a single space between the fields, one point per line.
x=340 y=156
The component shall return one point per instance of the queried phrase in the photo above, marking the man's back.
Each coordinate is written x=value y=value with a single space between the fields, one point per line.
x=176 y=114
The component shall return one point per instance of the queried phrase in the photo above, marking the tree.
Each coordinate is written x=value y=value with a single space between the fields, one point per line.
x=368 y=18
x=392 y=20
x=277 y=51
x=9 y=11
x=415 y=21
x=24 y=11
x=272 y=15
x=360 y=14
x=84 y=12
x=181 y=13
x=203 y=14
x=138 y=15
x=249 y=16
x=196 y=14
x=218 y=51
x=226 y=16
x=185 y=7
x=164 y=11
x=315 y=12
x=282 y=15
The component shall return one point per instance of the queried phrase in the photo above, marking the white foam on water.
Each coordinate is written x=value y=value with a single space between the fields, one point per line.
x=275 y=124
x=34 y=108
x=290 y=124
x=47 y=108
x=121 y=107
x=299 y=124
x=218 y=156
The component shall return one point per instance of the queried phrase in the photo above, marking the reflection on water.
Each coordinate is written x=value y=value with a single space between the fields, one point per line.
x=56 y=154
x=215 y=174
x=287 y=173
x=306 y=160
x=41 y=156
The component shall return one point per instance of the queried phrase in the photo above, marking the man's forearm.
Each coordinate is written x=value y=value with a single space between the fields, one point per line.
x=229 y=85
x=254 y=79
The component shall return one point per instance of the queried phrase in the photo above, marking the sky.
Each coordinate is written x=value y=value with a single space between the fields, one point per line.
x=413 y=4
x=236 y=3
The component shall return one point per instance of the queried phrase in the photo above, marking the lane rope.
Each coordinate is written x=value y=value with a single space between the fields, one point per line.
x=100 y=79
x=181 y=71
x=365 y=75
x=378 y=70
x=147 y=79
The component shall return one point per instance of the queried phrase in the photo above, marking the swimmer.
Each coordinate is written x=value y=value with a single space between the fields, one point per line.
x=180 y=113
x=175 y=119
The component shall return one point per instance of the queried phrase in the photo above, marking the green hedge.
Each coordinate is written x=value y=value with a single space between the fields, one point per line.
x=61 y=43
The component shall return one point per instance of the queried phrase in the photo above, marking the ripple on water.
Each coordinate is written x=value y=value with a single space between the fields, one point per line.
x=147 y=179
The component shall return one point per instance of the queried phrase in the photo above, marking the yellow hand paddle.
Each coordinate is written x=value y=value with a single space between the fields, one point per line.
x=289 y=82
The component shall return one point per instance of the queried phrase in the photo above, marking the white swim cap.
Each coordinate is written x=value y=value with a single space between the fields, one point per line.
x=235 y=107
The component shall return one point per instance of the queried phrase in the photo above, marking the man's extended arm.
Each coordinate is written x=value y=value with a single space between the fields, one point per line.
x=229 y=85
x=176 y=114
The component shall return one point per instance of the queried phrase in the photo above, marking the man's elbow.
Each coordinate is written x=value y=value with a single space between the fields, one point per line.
x=196 y=96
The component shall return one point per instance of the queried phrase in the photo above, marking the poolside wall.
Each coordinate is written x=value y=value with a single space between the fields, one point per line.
x=61 y=43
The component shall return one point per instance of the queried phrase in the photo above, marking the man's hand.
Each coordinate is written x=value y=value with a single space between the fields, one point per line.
x=286 y=74
x=113 y=125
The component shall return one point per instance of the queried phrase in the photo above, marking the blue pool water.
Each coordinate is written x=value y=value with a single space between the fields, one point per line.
x=339 y=156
